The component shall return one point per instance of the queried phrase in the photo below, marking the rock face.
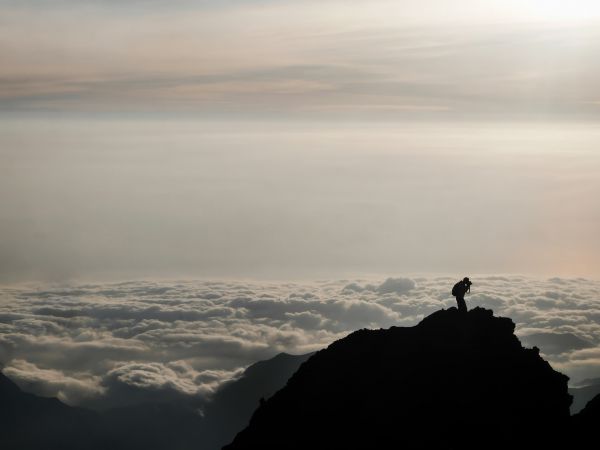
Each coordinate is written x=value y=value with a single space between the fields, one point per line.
x=585 y=425
x=233 y=404
x=31 y=422
x=452 y=381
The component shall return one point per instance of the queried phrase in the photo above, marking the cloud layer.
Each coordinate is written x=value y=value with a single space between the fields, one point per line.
x=115 y=344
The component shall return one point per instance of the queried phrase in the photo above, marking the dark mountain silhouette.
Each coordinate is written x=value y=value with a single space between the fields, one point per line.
x=453 y=381
x=154 y=426
x=31 y=422
x=585 y=424
x=233 y=405
x=583 y=393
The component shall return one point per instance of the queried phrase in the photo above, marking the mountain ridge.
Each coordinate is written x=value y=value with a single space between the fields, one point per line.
x=31 y=422
x=54 y=425
x=391 y=388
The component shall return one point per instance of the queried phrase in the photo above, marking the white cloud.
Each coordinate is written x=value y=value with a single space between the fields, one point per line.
x=396 y=286
x=48 y=382
x=118 y=343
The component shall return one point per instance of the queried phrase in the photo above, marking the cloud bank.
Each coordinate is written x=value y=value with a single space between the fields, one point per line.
x=115 y=344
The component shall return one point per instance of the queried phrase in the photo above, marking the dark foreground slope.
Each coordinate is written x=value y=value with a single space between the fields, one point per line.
x=452 y=381
x=232 y=406
x=30 y=422
x=585 y=425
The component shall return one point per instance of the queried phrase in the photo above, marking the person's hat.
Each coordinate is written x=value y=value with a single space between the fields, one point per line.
x=466 y=280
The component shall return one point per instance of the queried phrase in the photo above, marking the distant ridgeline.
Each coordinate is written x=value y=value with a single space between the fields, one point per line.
x=31 y=422
x=454 y=381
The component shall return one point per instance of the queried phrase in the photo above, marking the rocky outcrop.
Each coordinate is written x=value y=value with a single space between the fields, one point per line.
x=585 y=425
x=452 y=381
x=233 y=405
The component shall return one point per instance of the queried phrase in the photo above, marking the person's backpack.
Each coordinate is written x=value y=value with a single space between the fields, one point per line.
x=456 y=290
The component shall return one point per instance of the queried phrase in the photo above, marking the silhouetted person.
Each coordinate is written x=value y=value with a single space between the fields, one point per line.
x=459 y=290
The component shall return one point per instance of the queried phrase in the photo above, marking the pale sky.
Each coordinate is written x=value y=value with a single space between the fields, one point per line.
x=298 y=139
x=369 y=59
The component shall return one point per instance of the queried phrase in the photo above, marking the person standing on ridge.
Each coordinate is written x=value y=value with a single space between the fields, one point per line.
x=459 y=290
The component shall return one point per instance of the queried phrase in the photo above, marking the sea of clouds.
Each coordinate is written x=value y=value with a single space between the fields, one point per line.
x=113 y=344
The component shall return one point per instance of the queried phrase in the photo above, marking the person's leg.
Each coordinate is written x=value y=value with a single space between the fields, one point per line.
x=462 y=306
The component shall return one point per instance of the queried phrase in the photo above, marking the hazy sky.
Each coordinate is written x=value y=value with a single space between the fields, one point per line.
x=367 y=59
x=298 y=139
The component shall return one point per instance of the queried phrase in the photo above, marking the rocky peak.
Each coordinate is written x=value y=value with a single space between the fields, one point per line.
x=452 y=381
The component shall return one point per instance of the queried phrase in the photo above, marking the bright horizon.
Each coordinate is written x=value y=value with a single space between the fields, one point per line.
x=89 y=199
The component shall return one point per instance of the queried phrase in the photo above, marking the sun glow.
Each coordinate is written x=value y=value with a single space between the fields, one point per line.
x=558 y=10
